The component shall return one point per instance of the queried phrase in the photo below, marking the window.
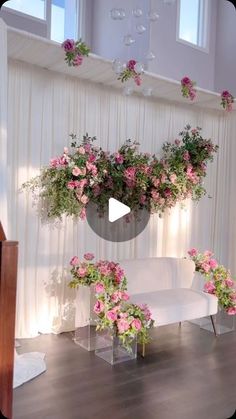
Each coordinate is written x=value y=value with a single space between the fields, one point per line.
x=59 y=17
x=193 y=22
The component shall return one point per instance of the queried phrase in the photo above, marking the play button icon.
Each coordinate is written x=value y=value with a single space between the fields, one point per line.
x=118 y=223
x=116 y=210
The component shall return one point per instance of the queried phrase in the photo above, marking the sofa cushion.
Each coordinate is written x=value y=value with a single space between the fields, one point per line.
x=175 y=305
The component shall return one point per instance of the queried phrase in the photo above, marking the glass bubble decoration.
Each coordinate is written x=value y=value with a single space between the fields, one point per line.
x=137 y=12
x=147 y=91
x=150 y=56
x=115 y=14
x=118 y=66
x=121 y=14
x=128 y=40
x=140 y=29
x=153 y=16
x=139 y=67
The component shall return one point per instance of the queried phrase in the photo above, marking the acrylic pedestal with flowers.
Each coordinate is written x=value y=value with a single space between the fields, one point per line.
x=112 y=350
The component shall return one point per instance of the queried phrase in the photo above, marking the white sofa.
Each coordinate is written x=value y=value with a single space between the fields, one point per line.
x=166 y=286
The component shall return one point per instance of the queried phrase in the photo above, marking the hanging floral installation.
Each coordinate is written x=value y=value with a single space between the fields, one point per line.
x=227 y=100
x=88 y=174
x=125 y=319
x=132 y=71
x=219 y=281
x=187 y=88
x=75 y=51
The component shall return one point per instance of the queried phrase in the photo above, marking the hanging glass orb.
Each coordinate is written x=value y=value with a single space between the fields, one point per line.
x=140 y=29
x=147 y=91
x=118 y=66
x=128 y=91
x=139 y=68
x=153 y=16
x=121 y=14
x=115 y=14
x=150 y=56
x=128 y=40
x=137 y=12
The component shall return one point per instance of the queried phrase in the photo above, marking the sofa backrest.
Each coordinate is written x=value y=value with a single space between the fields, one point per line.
x=153 y=274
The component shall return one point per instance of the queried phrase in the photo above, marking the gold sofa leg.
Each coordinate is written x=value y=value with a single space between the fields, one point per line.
x=143 y=350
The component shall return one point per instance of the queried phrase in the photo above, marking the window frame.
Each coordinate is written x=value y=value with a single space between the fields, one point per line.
x=203 y=26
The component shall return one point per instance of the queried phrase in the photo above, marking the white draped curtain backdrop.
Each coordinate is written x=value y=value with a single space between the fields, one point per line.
x=43 y=109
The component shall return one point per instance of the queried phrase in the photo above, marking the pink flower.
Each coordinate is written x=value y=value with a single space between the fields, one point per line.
x=105 y=270
x=142 y=199
x=208 y=253
x=99 y=307
x=68 y=45
x=76 y=171
x=82 y=214
x=130 y=173
x=136 y=324
x=130 y=65
x=192 y=252
x=99 y=288
x=186 y=156
x=173 y=178
x=71 y=185
x=92 y=158
x=209 y=287
x=156 y=181
x=167 y=192
x=231 y=311
x=89 y=256
x=225 y=94
x=229 y=282
x=138 y=80
x=163 y=178
x=206 y=267
x=123 y=325
x=124 y=296
x=233 y=296
x=177 y=142
x=213 y=263
x=81 y=150
x=66 y=150
x=87 y=148
x=82 y=272
x=77 y=60
x=74 y=261
x=84 y=199
x=119 y=158
x=186 y=81
x=111 y=315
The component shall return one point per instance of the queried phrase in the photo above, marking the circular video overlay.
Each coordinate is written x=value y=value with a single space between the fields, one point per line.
x=113 y=226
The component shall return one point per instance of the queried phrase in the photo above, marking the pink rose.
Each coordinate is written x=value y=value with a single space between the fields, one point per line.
x=173 y=178
x=74 y=261
x=136 y=324
x=186 y=81
x=138 y=80
x=105 y=270
x=213 y=263
x=71 y=185
x=87 y=148
x=130 y=173
x=206 y=267
x=77 y=60
x=156 y=182
x=99 y=307
x=209 y=287
x=92 y=158
x=81 y=150
x=208 y=253
x=130 y=65
x=111 y=315
x=186 y=156
x=76 y=171
x=123 y=325
x=82 y=272
x=119 y=158
x=231 y=311
x=82 y=214
x=229 y=282
x=142 y=199
x=68 y=45
x=177 y=142
x=225 y=94
x=89 y=256
x=99 y=288
x=84 y=199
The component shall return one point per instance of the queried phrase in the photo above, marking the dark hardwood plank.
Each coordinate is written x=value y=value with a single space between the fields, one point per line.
x=187 y=374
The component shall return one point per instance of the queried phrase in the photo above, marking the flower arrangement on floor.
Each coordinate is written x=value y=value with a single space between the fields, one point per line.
x=139 y=180
x=124 y=319
x=227 y=100
x=187 y=88
x=130 y=72
x=218 y=279
x=75 y=51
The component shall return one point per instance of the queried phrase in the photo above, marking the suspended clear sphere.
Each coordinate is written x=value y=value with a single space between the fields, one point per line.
x=147 y=91
x=153 y=15
x=150 y=56
x=121 y=14
x=115 y=14
x=137 y=12
x=140 y=29
x=128 y=91
x=128 y=40
x=139 y=68
x=118 y=66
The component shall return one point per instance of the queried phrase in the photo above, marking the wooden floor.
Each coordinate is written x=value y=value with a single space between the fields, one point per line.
x=187 y=374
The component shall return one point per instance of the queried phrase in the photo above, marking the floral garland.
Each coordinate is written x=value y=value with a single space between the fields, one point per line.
x=139 y=180
x=227 y=100
x=187 y=88
x=219 y=280
x=75 y=51
x=124 y=319
x=130 y=73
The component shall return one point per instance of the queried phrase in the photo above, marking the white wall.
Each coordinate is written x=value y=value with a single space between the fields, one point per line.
x=225 y=63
